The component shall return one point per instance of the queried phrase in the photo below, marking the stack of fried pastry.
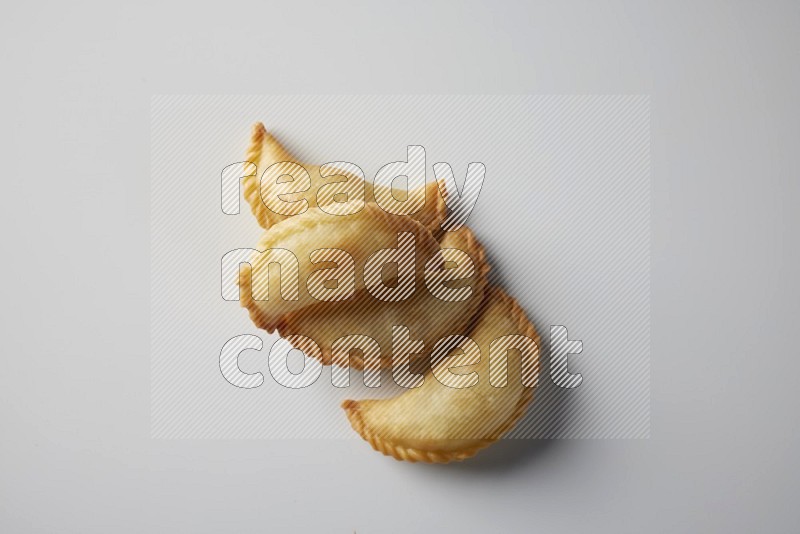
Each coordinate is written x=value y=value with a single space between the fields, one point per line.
x=432 y=422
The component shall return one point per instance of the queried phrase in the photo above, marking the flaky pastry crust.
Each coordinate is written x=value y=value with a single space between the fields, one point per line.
x=459 y=448
x=265 y=150
x=360 y=235
x=427 y=317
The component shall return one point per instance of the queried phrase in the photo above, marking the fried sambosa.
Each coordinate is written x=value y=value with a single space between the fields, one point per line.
x=442 y=423
x=319 y=258
x=428 y=317
x=283 y=186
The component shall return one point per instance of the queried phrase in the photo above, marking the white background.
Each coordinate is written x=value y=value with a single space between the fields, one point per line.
x=74 y=391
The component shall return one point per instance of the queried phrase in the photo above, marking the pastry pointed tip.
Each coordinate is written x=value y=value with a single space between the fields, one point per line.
x=259 y=131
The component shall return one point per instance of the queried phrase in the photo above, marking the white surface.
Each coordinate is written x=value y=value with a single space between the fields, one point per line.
x=76 y=454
